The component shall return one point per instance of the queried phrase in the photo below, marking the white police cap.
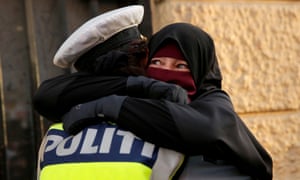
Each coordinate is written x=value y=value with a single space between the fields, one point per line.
x=96 y=31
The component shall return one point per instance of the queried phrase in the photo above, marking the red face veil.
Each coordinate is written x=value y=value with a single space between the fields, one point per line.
x=183 y=79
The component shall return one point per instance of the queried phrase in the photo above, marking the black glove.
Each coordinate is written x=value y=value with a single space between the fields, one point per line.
x=92 y=112
x=140 y=86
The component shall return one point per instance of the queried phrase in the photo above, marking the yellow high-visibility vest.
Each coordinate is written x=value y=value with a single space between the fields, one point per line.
x=105 y=152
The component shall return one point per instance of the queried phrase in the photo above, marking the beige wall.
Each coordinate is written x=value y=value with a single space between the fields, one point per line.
x=258 y=46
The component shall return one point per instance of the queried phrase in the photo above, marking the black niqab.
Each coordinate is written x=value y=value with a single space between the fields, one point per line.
x=200 y=53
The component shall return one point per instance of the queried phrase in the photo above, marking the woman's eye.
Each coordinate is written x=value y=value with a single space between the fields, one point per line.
x=156 y=62
x=182 y=66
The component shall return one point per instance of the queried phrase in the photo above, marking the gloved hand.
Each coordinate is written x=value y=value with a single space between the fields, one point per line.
x=92 y=112
x=140 y=86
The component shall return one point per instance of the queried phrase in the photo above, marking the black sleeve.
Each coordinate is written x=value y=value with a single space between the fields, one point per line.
x=56 y=96
x=207 y=126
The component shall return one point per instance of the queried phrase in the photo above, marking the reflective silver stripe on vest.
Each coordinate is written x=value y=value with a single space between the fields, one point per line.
x=167 y=163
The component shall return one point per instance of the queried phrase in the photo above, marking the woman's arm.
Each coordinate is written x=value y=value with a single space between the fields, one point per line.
x=56 y=96
x=207 y=126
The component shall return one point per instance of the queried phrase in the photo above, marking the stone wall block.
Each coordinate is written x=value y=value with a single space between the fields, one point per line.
x=279 y=133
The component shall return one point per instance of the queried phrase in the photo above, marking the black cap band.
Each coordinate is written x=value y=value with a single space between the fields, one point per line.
x=112 y=43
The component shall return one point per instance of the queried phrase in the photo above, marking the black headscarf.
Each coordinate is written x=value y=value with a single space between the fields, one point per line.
x=198 y=49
